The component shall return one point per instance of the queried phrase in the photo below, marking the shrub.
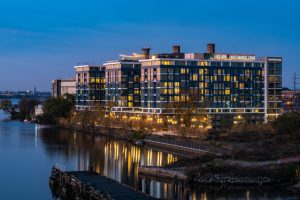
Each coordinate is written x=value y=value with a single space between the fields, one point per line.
x=247 y=132
x=288 y=123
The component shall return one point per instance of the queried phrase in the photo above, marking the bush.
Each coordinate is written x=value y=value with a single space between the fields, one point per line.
x=288 y=123
x=138 y=135
x=247 y=132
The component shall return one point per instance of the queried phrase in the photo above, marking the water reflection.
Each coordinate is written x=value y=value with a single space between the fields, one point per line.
x=28 y=151
x=119 y=160
x=116 y=159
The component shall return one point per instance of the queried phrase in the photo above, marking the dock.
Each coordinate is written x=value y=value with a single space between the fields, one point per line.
x=81 y=185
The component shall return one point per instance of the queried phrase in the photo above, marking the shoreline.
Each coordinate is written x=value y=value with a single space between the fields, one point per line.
x=209 y=179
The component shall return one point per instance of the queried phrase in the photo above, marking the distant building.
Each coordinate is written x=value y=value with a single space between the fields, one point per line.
x=38 y=110
x=291 y=100
x=63 y=86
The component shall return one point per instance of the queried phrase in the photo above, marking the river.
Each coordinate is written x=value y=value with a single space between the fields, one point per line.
x=28 y=152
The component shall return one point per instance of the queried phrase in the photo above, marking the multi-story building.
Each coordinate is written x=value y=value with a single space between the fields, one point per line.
x=90 y=86
x=273 y=85
x=63 y=86
x=220 y=84
x=291 y=100
x=228 y=87
x=123 y=82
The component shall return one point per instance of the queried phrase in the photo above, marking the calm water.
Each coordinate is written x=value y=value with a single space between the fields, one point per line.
x=27 y=154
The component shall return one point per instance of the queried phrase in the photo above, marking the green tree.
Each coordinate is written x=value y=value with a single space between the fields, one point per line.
x=26 y=107
x=56 y=108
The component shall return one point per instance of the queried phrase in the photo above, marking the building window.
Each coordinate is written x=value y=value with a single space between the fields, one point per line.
x=166 y=62
x=203 y=63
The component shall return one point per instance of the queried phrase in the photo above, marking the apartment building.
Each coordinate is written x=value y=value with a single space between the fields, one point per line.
x=227 y=86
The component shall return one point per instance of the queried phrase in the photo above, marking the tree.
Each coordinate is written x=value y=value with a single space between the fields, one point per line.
x=8 y=107
x=100 y=112
x=61 y=107
x=288 y=123
x=108 y=112
x=85 y=119
x=26 y=107
x=70 y=100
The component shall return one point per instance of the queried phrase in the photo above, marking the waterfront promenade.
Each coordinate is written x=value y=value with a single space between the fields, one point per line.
x=184 y=147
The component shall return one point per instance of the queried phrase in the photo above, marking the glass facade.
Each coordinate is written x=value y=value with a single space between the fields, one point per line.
x=274 y=87
x=223 y=85
x=210 y=83
x=90 y=86
x=123 y=83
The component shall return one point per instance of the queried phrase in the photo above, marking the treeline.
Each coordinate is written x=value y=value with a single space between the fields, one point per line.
x=23 y=110
x=54 y=109
x=57 y=109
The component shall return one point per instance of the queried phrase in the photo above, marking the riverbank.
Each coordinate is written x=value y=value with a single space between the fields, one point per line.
x=257 y=168
x=97 y=149
x=218 y=161
x=223 y=169
x=209 y=170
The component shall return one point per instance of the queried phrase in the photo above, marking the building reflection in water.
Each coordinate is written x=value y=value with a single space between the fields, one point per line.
x=119 y=160
x=116 y=159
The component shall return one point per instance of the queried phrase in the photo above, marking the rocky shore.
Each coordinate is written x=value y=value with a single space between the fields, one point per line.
x=218 y=179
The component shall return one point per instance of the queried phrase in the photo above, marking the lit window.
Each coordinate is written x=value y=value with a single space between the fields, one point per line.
x=166 y=62
x=203 y=63
x=183 y=71
x=195 y=77
x=176 y=98
x=130 y=98
x=228 y=78
x=242 y=85
x=136 y=91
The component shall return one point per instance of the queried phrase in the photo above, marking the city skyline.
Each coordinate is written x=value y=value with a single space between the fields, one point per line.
x=41 y=41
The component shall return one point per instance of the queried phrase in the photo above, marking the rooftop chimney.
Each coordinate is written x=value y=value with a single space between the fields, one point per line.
x=146 y=52
x=176 y=49
x=211 y=48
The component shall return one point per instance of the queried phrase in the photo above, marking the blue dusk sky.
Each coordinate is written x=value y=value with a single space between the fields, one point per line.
x=41 y=40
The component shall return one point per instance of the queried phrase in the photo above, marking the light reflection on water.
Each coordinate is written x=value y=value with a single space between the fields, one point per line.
x=27 y=153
